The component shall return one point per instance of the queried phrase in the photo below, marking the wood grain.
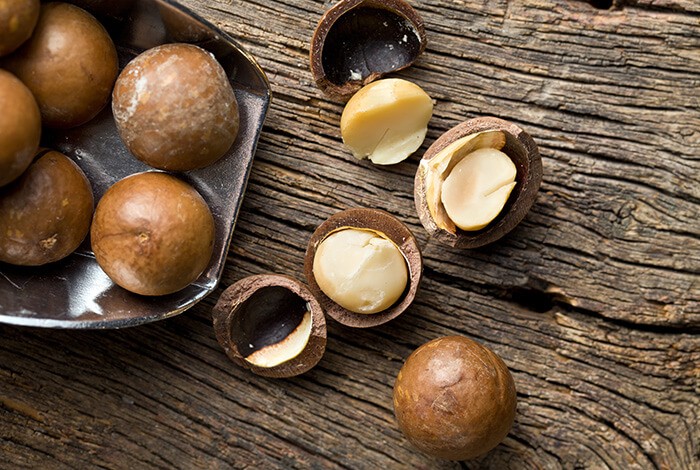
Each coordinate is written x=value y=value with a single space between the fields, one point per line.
x=593 y=301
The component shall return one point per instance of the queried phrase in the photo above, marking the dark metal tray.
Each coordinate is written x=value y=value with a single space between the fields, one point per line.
x=75 y=292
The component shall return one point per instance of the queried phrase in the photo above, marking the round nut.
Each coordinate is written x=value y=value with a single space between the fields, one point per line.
x=386 y=121
x=152 y=233
x=388 y=227
x=499 y=204
x=175 y=108
x=45 y=213
x=359 y=41
x=20 y=127
x=67 y=42
x=17 y=21
x=454 y=398
x=271 y=325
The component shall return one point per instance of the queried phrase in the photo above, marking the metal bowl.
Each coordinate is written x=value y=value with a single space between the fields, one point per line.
x=75 y=292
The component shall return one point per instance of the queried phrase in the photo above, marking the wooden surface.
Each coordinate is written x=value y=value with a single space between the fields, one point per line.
x=593 y=302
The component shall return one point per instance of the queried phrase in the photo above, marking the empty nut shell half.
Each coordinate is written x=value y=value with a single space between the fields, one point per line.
x=270 y=324
x=451 y=149
x=359 y=41
x=385 y=227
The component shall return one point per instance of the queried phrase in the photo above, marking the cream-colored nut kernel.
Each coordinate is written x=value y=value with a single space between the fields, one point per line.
x=438 y=168
x=360 y=270
x=478 y=187
x=287 y=349
x=386 y=121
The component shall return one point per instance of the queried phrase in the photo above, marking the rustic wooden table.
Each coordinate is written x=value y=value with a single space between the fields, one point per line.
x=593 y=302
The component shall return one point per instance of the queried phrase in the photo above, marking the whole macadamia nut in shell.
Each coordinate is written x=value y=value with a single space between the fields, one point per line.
x=17 y=21
x=152 y=233
x=70 y=64
x=20 y=127
x=175 y=108
x=45 y=214
x=454 y=398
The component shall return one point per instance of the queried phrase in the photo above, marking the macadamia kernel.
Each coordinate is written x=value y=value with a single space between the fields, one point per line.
x=360 y=270
x=386 y=121
x=285 y=350
x=477 y=188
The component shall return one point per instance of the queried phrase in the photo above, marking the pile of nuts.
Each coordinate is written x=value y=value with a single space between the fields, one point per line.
x=174 y=109
x=454 y=398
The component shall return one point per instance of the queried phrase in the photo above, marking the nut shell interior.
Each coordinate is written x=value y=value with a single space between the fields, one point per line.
x=272 y=327
x=378 y=221
x=495 y=133
x=359 y=41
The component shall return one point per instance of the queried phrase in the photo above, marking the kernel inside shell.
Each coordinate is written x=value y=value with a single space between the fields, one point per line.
x=391 y=228
x=270 y=324
x=446 y=152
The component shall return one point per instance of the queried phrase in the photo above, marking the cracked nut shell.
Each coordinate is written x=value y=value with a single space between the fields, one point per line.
x=517 y=145
x=359 y=41
x=45 y=213
x=454 y=398
x=271 y=315
x=390 y=227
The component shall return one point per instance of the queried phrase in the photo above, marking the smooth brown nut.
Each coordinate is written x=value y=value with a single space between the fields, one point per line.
x=45 y=213
x=454 y=398
x=359 y=41
x=69 y=64
x=17 y=21
x=175 y=108
x=270 y=324
x=152 y=233
x=20 y=127
x=500 y=206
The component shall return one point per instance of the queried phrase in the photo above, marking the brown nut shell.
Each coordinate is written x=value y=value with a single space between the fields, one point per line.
x=153 y=234
x=359 y=41
x=20 y=127
x=70 y=64
x=232 y=305
x=521 y=149
x=45 y=213
x=175 y=108
x=17 y=21
x=454 y=398
x=379 y=221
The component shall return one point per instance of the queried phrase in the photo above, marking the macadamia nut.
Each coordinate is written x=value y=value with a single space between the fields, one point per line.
x=477 y=188
x=386 y=121
x=361 y=270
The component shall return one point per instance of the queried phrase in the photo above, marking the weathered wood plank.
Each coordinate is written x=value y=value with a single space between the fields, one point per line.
x=593 y=302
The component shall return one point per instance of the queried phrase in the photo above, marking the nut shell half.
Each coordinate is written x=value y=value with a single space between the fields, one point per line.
x=521 y=149
x=359 y=41
x=454 y=398
x=230 y=305
x=379 y=221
